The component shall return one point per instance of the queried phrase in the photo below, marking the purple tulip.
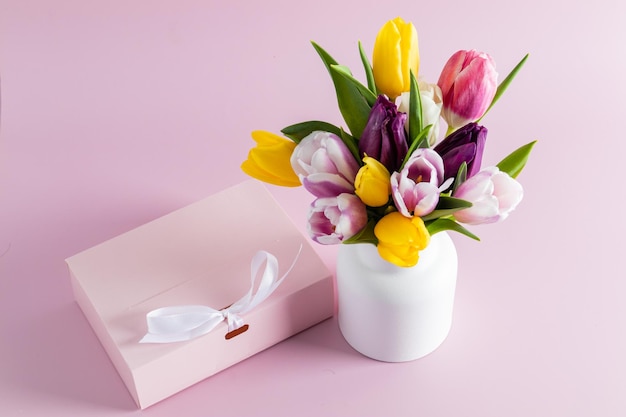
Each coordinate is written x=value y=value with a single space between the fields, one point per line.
x=324 y=165
x=494 y=195
x=334 y=219
x=468 y=83
x=384 y=137
x=415 y=189
x=463 y=145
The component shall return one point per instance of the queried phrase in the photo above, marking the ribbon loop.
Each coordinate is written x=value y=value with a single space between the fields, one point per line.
x=182 y=323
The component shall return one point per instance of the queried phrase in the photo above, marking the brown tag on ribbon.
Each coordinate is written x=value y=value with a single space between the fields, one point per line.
x=236 y=332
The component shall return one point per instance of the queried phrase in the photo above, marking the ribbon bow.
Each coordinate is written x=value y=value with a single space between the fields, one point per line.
x=181 y=323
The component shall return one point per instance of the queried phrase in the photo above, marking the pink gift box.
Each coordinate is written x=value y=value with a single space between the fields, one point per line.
x=198 y=255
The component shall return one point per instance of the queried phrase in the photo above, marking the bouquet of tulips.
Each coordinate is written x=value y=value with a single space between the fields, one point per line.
x=388 y=180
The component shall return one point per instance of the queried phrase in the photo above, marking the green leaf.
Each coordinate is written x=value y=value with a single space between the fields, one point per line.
x=352 y=145
x=505 y=84
x=365 y=235
x=369 y=73
x=441 y=224
x=516 y=161
x=353 y=106
x=446 y=206
x=461 y=176
x=365 y=92
x=415 y=111
x=421 y=141
x=299 y=131
x=446 y=202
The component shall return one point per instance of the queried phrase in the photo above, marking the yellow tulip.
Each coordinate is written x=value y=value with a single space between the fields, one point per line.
x=401 y=238
x=269 y=161
x=395 y=55
x=372 y=183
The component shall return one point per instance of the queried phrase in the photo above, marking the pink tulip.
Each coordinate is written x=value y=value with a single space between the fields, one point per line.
x=334 y=219
x=468 y=83
x=415 y=189
x=494 y=195
x=324 y=165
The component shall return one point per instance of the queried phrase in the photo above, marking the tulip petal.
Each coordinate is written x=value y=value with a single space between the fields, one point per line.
x=409 y=50
x=326 y=185
x=324 y=164
x=273 y=159
x=467 y=145
x=493 y=194
x=468 y=83
x=427 y=196
x=339 y=153
x=483 y=211
x=415 y=189
x=400 y=238
x=454 y=158
x=473 y=89
x=255 y=172
x=269 y=161
x=372 y=183
x=321 y=162
x=335 y=219
x=450 y=71
x=510 y=193
x=395 y=55
x=386 y=60
x=384 y=137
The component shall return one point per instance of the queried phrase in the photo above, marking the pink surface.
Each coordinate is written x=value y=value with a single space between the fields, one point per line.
x=188 y=258
x=114 y=114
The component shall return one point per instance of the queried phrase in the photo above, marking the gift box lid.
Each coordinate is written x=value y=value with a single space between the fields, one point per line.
x=198 y=255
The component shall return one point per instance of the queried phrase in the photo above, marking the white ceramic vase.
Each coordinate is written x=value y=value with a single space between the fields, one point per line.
x=396 y=314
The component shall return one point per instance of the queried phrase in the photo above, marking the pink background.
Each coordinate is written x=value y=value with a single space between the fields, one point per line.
x=115 y=113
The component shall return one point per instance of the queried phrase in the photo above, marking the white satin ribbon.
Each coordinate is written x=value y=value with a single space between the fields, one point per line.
x=181 y=323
